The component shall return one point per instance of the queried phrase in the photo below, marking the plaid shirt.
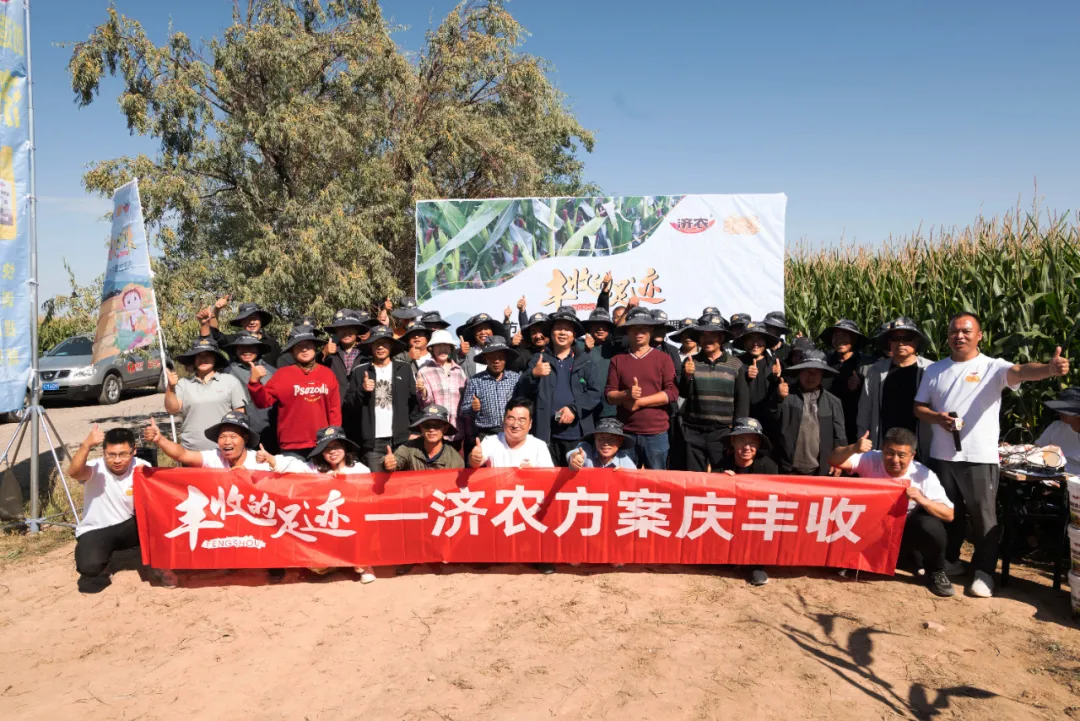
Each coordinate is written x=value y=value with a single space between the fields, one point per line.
x=493 y=394
x=443 y=386
x=350 y=356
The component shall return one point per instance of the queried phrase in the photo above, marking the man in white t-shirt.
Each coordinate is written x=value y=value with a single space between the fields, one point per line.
x=514 y=447
x=961 y=397
x=1064 y=433
x=929 y=507
x=108 y=521
x=235 y=444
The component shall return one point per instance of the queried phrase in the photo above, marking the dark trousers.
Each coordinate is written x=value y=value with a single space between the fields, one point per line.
x=373 y=459
x=702 y=447
x=559 y=447
x=924 y=541
x=648 y=450
x=93 y=549
x=972 y=487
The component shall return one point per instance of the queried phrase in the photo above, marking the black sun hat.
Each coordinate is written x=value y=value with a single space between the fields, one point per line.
x=639 y=316
x=466 y=330
x=738 y=320
x=757 y=328
x=247 y=310
x=244 y=339
x=541 y=319
x=812 y=360
x=381 y=332
x=599 y=315
x=612 y=426
x=413 y=328
x=1067 y=402
x=433 y=319
x=434 y=412
x=494 y=344
x=328 y=435
x=568 y=314
x=301 y=333
x=685 y=325
x=238 y=419
x=407 y=310
x=904 y=325
x=776 y=319
x=347 y=317
x=203 y=344
x=842 y=324
x=748 y=427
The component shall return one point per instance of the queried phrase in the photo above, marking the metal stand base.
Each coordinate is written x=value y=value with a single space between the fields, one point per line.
x=35 y=416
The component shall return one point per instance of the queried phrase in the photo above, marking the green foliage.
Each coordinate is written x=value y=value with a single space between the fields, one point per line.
x=1019 y=276
x=293 y=148
x=66 y=315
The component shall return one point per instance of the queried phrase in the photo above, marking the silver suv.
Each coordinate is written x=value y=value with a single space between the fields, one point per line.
x=67 y=371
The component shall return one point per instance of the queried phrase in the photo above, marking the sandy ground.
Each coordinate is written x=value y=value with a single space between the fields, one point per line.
x=453 y=642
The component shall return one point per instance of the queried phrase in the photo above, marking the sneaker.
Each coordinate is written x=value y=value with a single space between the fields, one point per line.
x=758 y=577
x=920 y=572
x=940 y=585
x=955 y=568
x=165 y=579
x=983 y=585
x=367 y=577
x=545 y=568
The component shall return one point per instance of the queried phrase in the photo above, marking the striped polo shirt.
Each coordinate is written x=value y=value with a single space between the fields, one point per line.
x=711 y=401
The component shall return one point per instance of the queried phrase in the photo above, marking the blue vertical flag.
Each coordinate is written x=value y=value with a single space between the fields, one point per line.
x=15 y=311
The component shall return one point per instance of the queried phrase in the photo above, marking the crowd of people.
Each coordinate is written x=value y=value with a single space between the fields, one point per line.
x=395 y=390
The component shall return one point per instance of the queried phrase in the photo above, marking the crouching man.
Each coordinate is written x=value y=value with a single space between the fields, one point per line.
x=929 y=508
x=108 y=522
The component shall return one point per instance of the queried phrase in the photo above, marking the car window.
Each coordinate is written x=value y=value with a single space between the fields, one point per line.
x=73 y=347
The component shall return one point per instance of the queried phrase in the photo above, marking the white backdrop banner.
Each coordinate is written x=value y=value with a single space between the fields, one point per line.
x=678 y=253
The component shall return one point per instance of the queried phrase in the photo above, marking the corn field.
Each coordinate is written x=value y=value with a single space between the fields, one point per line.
x=1017 y=273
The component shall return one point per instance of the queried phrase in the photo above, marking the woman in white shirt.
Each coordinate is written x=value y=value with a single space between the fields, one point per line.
x=1064 y=434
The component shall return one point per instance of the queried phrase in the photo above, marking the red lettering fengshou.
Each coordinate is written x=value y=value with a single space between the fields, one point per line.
x=192 y=518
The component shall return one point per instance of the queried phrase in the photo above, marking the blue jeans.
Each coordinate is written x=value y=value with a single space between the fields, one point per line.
x=650 y=450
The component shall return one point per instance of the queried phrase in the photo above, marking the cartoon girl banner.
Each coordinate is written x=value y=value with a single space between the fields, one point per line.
x=128 y=317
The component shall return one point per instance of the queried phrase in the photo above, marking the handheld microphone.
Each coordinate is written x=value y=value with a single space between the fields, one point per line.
x=956 y=433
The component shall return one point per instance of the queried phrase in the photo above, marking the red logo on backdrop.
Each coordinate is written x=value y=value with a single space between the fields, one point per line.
x=194 y=518
x=693 y=225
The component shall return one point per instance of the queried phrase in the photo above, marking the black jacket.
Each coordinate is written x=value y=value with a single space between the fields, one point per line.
x=762 y=388
x=271 y=357
x=785 y=415
x=336 y=363
x=583 y=384
x=359 y=408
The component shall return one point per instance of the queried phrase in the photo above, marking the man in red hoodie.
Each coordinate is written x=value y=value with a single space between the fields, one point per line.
x=306 y=394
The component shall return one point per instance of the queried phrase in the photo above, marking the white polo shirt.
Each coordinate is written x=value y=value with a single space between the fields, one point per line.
x=532 y=451
x=107 y=499
x=872 y=465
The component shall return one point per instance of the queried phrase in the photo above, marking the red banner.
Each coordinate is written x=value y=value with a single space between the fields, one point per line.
x=194 y=518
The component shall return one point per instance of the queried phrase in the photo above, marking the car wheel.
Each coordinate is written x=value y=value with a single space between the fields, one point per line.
x=17 y=415
x=111 y=388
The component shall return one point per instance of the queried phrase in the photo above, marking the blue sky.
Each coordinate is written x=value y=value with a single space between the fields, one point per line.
x=873 y=118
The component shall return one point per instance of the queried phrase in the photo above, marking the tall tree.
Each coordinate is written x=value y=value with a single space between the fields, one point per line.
x=293 y=148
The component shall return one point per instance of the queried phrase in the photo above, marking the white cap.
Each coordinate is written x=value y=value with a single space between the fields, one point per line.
x=442 y=336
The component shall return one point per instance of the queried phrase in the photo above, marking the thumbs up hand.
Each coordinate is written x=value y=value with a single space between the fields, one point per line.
x=777 y=369
x=521 y=303
x=476 y=403
x=421 y=388
x=476 y=456
x=389 y=461
x=257 y=371
x=752 y=370
x=464 y=345
x=864 y=445
x=577 y=459
x=96 y=437
x=783 y=389
x=590 y=342
x=369 y=382
x=689 y=367
x=1059 y=365
x=507 y=312
x=516 y=339
x=330 y=348
x=542 y=368
x=151 y=434
x=635 y=390
x=261 y=456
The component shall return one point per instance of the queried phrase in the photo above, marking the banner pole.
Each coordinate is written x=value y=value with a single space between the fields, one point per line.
x=35 y=386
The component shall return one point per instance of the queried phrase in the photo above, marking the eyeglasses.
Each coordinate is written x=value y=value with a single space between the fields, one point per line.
x=119 y=456
x=902 y=337
x=515 y=422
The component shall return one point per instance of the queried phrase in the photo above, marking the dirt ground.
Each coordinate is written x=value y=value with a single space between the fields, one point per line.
x=453 y=642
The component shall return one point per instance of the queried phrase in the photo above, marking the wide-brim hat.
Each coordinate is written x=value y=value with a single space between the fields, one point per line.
x=433 y=319
x=612 y=426
x=709 y=324
x=639 y=316
x=748 y=427
x=466 y=330
x=346 y=317
x=247 y=310
x=542 y=319
x=1068 y=402
x=442 y=337
x=710 y=310
x=494 y=344
x=244 y=339
x=738 y=320
x=812 y=360
x=685 y=325
x=328 y=435
x=842 y=324
x=570 y=316
x=203 y=344
x=407 y=310
x=759 y=329
x=434 y=412
x=906 y=325
x=302 y=333
x=413 y=328
x=599 y=315
x=381 y=332
x=238 y=419
x=777 y=319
